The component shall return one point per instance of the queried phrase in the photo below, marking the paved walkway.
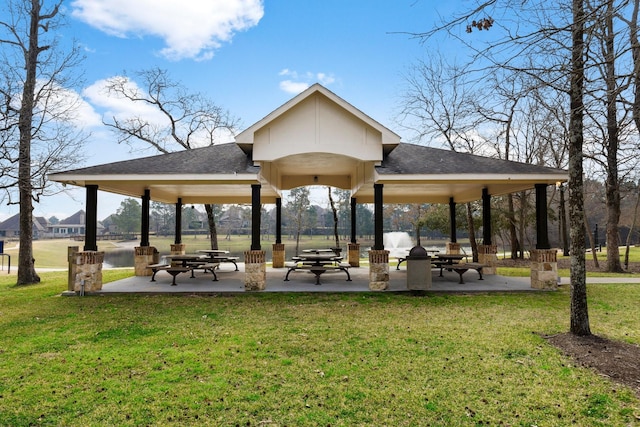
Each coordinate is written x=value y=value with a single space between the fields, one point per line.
x=230 y=281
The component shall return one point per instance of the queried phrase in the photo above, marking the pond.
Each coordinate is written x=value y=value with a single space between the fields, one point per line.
x=118 y=258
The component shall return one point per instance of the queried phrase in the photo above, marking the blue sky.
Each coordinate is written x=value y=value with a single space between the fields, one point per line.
x=249 y=56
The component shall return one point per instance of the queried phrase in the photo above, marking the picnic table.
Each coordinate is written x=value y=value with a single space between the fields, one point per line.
x=188 y=263
x=219 y=256
x=318 y=263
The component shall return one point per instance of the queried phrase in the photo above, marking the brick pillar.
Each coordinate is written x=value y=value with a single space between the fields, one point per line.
x=255 y=270
x=353 y=254
x=544 y=269
x=278 y=255
x=88 y=271
x=452 y=248
x=378 y=270
x=71 y=256
x=143 y=256
x=488 y=255
x=178 y=248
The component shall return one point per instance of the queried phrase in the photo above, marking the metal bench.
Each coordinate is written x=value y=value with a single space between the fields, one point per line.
x=464 y=267
x=157 y=267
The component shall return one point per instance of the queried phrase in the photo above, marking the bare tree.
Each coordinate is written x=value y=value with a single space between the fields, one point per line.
x=555 y=40
x=186 y=120
x=438 y=103
x=297 y=210
x=334 y=211
x=37 y=112
x=579 y=308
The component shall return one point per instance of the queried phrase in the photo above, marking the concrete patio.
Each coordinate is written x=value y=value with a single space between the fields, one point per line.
x=230 y=281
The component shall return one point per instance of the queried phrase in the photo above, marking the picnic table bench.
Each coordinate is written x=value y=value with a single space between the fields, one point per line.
x=174 y=270
x=316 y=269
x=462 y=268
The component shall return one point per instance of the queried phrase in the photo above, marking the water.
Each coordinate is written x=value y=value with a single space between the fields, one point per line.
x=118 y=258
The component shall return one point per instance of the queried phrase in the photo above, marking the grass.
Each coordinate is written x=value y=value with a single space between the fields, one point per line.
x=303 y=359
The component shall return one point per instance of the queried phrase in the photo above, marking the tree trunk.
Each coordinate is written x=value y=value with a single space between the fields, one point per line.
x=592 y=242
x=513 y=236
x=472 y=233
x=579 y=307
x=213 y=230
x=335 y=218
x=612 y=185
x=522 y=223
x=26 y=264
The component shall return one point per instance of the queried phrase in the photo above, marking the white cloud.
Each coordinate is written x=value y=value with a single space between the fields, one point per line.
x=115 y=105
x=296 y=82
x=190 y=29
x=293 y=87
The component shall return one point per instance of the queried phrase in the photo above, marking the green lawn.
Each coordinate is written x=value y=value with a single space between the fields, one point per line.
x=304 y=359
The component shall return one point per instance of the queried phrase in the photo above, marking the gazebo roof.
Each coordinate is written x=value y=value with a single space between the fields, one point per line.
x=314 y=139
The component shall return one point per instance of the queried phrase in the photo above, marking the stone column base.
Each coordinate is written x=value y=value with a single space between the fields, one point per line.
x=255 y=271
x=178 y=248
x=353 y=253
x=278 y=255
x=88 y=271
x=544 y=269
x=143 y=256
x=452 y=248
x=378 y=270
x=71 y=257
x=488 y=255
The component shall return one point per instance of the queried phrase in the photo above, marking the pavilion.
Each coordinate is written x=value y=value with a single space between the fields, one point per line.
x=317 y=138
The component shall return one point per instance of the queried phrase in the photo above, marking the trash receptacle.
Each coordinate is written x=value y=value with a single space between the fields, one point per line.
x=418 y=269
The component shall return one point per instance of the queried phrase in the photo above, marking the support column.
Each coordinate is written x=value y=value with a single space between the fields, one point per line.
x=378 y=270
x=255 y=267
x=542 y=234
x=353 y=254
x=178 y=233
x=142 y=257
x=255 y=217
x=378 y=218
x=178 y=248
x=88 y=271
x=71 y=256
x=563 y=223
x=353 y=248
x=255 y=270
x=544 y=269
x=378 y=257
x=486 y=217
x=487 y=252
x=144 y=230
x=91 y=220
x=452 y=247
x=488 y=255
x=277 y=249
x=279 y=220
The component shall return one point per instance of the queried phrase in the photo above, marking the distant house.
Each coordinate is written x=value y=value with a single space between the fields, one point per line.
x=10 y=228
x=72 y=226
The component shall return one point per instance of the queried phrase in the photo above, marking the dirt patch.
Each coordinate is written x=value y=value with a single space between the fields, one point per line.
x=617 y=360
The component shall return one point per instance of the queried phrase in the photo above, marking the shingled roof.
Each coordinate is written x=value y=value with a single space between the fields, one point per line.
x=417 y=159
x=214 y=159
x=316 y=138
